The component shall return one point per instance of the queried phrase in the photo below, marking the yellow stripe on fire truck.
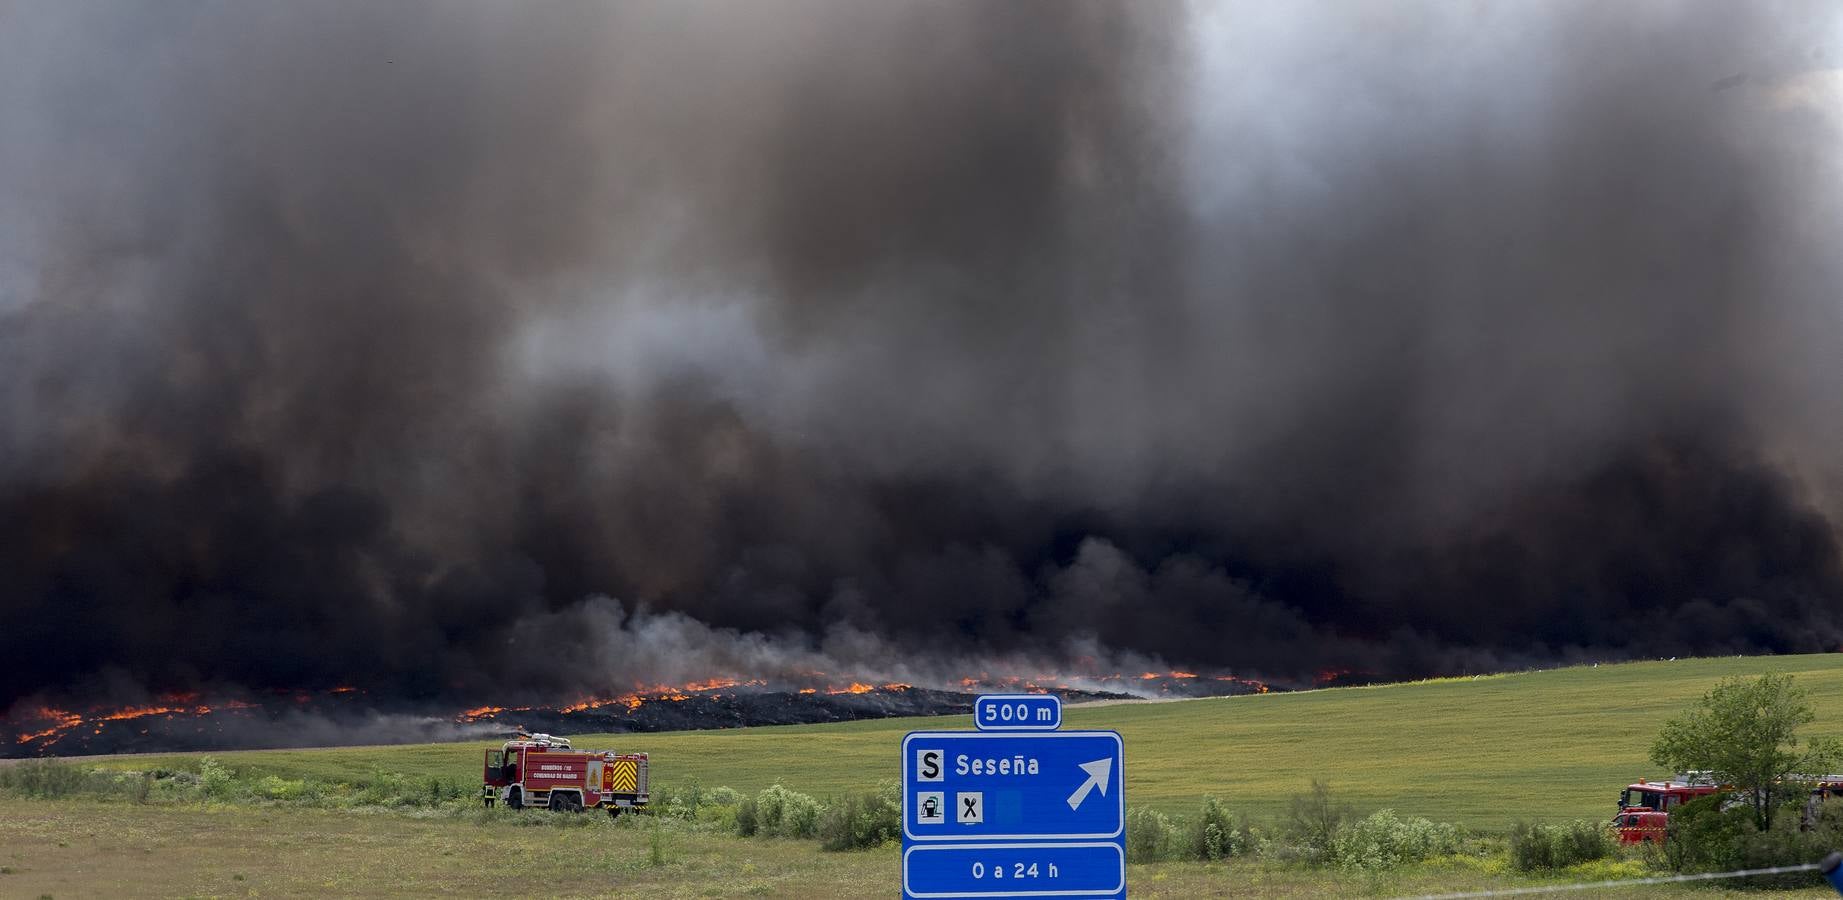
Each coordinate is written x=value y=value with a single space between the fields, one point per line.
x=623 y=776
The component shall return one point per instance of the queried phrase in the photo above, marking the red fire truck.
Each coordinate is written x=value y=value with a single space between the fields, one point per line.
x=541 y=770
x=1644 y=806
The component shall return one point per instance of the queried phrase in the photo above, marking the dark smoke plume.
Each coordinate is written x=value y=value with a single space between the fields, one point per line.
x=382 y=344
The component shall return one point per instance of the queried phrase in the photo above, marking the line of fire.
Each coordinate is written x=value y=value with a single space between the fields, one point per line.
x=191 y=721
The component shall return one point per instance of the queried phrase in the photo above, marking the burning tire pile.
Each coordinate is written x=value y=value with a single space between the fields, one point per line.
x=347 y=716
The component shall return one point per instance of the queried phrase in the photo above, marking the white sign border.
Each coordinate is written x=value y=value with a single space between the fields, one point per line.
x=908 y=787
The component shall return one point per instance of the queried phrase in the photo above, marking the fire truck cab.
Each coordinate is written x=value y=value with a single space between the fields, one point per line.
x=1644 y=806
x=542 y=770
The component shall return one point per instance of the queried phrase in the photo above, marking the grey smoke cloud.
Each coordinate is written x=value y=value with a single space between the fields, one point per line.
x=364 y=343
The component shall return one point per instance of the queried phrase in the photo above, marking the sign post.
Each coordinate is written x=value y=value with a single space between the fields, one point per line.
x=1017 y=809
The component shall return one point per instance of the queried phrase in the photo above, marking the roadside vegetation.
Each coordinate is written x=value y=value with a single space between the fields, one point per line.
x=80 y=848
x=1747 y=734
x=1320 y=833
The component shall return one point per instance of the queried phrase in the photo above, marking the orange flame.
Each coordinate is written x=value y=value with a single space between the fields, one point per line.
x=1327 y=676
x=59 y=722
x=64 y=721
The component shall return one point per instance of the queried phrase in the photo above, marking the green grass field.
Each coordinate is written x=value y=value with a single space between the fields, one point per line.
x=85 y=849
x=1482 y=752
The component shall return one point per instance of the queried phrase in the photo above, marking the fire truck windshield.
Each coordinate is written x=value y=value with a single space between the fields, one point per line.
x=1631 y=797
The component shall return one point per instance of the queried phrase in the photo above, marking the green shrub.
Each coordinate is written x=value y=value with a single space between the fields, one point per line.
x=1214 y=836
x=274 y=787
x=800 y=818
x=1148 y=835
x=1706 y=838
x=1313 y=822
x=861 y=821
x=747 y=820
x=140 y=786
x=780 y=812
x=386 y=789
x=45 y=779
x=1534 y=847
x=770 y=804
x=1825 y=823
x=682 y=800
x=1383 y=841
x=673 y=806
x=214 y=779
x=718 y=808
x=442 y=790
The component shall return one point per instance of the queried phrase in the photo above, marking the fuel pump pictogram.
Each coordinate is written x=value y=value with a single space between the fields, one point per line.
x=930 y=808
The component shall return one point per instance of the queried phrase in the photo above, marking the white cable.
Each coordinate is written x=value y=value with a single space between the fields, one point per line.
x=1630 y=882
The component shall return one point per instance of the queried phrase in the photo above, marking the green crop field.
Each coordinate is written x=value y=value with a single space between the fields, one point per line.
x=82 y=849
x=1482 y=752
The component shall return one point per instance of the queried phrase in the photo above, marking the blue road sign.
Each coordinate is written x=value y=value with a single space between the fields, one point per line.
x=1017 y=712
x=1013 y=814
x=989 y=785
x=1056 y=868
x=1016 y=809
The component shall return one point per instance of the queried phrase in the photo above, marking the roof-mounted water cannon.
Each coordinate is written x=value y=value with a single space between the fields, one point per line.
x=561 y=743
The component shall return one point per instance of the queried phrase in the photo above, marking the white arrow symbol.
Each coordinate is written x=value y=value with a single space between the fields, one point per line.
x=1097 y=778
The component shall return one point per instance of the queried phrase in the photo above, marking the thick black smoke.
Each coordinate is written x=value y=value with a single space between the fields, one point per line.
x=381 y=344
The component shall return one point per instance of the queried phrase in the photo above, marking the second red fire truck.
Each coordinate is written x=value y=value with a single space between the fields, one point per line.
x=1645 y=806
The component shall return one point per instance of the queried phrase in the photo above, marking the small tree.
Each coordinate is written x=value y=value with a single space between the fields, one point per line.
x=1314 y=819
x=1745 y=734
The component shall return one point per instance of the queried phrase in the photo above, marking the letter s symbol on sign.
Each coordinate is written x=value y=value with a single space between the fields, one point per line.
x=931 y=764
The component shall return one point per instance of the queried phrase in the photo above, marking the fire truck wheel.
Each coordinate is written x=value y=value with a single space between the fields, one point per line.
x=614 y=812
x=515 y=799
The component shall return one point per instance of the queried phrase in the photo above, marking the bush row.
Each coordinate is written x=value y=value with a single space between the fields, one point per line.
x=1328 y=836
x=852 y=822
x=1317 y=830
x=54 y=780
x=1704 y=837
x=211 y=780
x=1536 y=847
